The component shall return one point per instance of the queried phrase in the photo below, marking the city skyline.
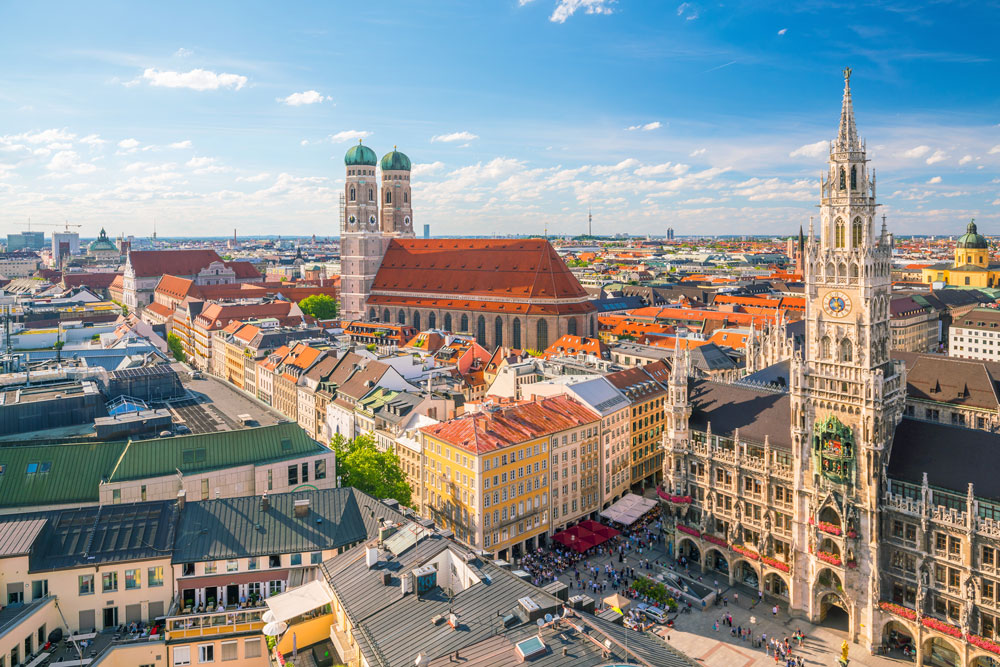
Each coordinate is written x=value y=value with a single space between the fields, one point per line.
x=520 y=114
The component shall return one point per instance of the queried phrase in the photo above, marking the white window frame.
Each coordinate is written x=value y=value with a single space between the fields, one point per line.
x=182 y=655
x=201 y=653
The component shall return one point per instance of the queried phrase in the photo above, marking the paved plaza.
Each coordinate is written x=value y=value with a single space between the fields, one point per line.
x=695 y=636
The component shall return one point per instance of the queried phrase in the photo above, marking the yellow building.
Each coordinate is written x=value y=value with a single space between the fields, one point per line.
x=972 y=267
x=486 y=474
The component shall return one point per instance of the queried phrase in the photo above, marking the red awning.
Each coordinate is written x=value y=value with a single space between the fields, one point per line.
x=232 y=579
x=585 y=535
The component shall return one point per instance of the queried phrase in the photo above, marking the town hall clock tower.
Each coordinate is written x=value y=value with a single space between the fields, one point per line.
x=847 y=394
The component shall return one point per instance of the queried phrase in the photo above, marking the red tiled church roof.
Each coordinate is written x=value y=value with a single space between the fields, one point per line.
x=147 y=263
x=518 y=269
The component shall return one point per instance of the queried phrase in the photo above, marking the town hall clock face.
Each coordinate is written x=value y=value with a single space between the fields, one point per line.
x=837 y=304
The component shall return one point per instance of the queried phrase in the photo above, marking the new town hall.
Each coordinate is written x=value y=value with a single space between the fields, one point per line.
x=858 y=499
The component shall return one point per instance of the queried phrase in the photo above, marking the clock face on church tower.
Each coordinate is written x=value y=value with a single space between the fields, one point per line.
x=837 y=304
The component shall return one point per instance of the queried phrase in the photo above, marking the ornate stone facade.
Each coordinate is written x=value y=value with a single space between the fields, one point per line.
x=837 y=494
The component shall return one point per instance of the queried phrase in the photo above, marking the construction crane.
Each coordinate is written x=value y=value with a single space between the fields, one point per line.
x=66 y=224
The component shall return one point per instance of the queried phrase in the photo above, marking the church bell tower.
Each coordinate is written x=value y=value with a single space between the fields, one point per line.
x=847 y=394
x=361 y=239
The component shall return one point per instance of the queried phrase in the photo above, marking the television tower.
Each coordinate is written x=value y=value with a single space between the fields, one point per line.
x=590 y=222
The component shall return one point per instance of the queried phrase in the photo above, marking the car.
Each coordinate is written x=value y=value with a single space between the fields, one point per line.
x=655 y=614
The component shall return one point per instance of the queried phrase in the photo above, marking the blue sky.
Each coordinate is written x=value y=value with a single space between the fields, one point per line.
x=518 y=114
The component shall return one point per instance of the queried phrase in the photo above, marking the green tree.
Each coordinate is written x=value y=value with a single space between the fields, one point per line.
x=175 y=347
x=320 y=306
x=361 y=464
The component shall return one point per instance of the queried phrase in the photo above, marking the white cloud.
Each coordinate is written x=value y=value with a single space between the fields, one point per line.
x=349 y=135
x=661 y=169
x=68 y=162
x=35 y=138
x=182 y=53
x=811 y=150
x=995 y=150
x=93 y=140
x=300 y=99
x=966 y=159
x=759 y=189
x=934 y=181
x=655 y=125
x=783 y=31
x=625 y=164
x=128 y=144
x=205 y=165
x=426 y=168
x=697 y=152
x=256 y=178
x=196 y=79
x=938 y=156
x=686 y=8
x=918 y=151
x=566 y=8
x=455 y=136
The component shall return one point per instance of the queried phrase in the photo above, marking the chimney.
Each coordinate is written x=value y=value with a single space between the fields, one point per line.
x=181 y=497
x=371 y=557
x=265 y=504
x=302 y=508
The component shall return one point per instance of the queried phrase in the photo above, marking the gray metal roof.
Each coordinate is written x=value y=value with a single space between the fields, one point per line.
x=18 y=533
x=391 y=629
x=108 y=534
x=240 y=528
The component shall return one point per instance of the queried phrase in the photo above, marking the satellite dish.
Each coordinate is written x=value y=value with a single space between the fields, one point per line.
x=548 y=618
x=540 y=622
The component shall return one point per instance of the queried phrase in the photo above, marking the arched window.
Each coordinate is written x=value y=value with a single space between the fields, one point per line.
x=464 y=328
x=416 y=320
x=843 y=179
x=854 y=271
x=541 y=335
x=854 y=178
x=497 y=332
x=371 y=314
x=388 y=196
x=401 y=317
x=571 y=328
x=857 y=232
x=431 y=321
x=824 y=348
x=846 y=350
x=447 y=321
x=371 y=195
x=481 y=331
x=385 y=316
x=352 y=194
x=838 y=241
x=406 y=197
x=516 y=334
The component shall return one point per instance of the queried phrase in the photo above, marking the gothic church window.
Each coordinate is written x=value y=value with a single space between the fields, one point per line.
x=431 y=321
x=846 y=350
x=516 y=338
x=352 y=194
x=843 y=179
x=388 y=197
x=854 y=178
x=447 y=321
x=571 y=329
x=371 y=314
x=416 y=320
x=385 y=315
x=838 y=241
x=371 y=195
x=481 y=331
x=465 y=323
x=401 y=317
x=497 y=332
x=824 y=348
x=406 y=197
x=541 y=335
x=857 y=232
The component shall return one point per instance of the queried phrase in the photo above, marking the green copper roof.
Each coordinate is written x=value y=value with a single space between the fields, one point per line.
x=360 y=155
x=102 y=243
x=213 y=451
x=35 y=475
x=972 y=239
x=395 y=161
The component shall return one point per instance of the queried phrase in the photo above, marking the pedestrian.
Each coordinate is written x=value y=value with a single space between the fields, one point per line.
x=725 y=601
x=774 y=610
x=736 y=598
x=715 y=626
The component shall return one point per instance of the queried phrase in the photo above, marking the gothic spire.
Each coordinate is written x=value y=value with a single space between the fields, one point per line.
x=847 y=137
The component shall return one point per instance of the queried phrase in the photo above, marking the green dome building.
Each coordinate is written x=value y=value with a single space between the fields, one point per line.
x=395 y=161
x=360 y=156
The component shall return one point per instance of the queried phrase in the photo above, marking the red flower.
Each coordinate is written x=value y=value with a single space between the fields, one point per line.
x=773 y=562
x=746 y=552
x=828 y=557
x=941 y=626
x=687 y=529
x=983 y=643
x=898 y=610
x=830 y=528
